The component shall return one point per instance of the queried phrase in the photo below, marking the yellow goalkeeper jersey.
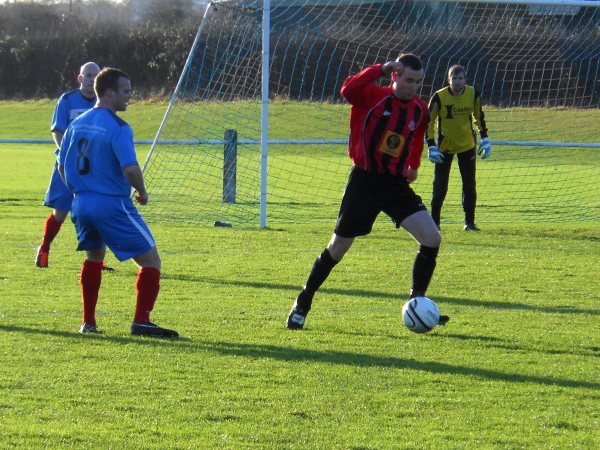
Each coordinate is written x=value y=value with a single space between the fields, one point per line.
x=455 y=116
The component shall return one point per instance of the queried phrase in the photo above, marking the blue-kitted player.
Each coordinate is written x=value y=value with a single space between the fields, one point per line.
x=69 y=106
x=97 y=160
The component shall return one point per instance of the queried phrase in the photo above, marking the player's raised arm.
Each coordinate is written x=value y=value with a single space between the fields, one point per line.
x=357 y=89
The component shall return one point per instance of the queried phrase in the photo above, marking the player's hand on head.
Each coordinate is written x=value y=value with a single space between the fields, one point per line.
x=485 y=148
x=393 y=67
x=435 y=156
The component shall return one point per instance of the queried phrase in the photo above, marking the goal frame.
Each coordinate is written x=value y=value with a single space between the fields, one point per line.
x=265 y=142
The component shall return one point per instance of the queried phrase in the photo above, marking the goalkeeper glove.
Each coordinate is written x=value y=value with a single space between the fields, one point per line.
x=435 y=156
x=485 y=149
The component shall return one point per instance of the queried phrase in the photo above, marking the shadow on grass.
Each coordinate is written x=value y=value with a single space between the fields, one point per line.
x=365 y=360
x=288 y=354
x=386 y=295
x=95 y=337
x=487 y=342
x=503 y=344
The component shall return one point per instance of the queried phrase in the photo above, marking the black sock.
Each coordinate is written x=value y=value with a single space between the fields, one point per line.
x=470 y=217
x=435 y=215
x=319 y=273
x=423 y=268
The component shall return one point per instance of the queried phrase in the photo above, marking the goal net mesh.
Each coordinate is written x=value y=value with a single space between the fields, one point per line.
x=536 y=66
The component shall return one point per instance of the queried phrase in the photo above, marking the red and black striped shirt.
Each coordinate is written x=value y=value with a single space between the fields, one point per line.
x=386 y=133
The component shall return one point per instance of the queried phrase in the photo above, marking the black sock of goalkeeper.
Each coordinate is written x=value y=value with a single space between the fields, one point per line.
x=319 y=273
x=423 y=268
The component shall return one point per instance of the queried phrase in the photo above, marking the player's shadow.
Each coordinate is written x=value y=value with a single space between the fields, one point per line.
x=483 y=341
x=357 y=293
x=287 y=354
x=495 y=304
x=91 y=336
x=504 y=344
x=366 y=360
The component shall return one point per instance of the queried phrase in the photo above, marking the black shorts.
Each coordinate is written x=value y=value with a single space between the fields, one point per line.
x=367 y=194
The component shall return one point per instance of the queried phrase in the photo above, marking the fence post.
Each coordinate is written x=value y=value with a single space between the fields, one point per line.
x=230 y=166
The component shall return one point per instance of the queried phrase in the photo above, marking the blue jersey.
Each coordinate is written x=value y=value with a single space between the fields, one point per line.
x=94 y=151
x=70 y=105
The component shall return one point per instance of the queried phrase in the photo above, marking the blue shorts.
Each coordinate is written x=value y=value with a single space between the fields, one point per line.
x=58 y=195
x=112 y=221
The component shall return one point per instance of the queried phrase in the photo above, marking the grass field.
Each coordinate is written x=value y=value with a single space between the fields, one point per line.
x=517 y=366
x=525 y=183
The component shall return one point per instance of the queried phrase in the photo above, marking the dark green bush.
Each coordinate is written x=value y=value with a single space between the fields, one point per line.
x=43 y=45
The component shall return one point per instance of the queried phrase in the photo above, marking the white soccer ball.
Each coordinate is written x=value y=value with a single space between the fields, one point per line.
x=420 y=314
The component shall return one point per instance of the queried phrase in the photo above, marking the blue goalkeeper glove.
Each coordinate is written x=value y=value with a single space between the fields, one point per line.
x=485 y=149
x=435 y=156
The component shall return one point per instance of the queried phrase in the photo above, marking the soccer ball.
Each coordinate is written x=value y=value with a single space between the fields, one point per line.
x=420 y=314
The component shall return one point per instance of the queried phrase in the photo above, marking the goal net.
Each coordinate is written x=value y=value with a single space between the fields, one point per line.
x=536 y=65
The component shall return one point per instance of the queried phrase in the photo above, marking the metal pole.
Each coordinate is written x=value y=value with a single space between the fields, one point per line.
x=186 y=67
x=264 y=132
x=230 y=166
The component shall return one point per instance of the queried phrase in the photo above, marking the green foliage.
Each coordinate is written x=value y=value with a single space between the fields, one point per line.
x=43 y=46
x=517 y=367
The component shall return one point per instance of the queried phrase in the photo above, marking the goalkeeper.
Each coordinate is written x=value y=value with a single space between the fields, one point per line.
x=455 y=109
x=387 y=128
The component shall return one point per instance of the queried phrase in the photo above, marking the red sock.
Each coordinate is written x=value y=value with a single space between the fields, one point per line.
x=91 y=277
x=51 y=229
x=147 y=286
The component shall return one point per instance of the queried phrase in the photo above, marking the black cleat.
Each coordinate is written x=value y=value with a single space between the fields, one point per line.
x=471 y=227
x=300 y=310
x=443 y=319
x=296 y=319
x=152 y=330
x=88 y=328
x=107 y=268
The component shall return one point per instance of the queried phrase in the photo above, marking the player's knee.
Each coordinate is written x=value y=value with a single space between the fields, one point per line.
x=60 y=216
x=149 y=259
x=437 y=239
x=338 y=247
x=432 y=239
x=337 y=254
x=156 y=262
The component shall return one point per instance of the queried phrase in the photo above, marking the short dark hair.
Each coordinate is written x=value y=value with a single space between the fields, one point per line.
x=455 y=70
x=108 y=78
x=410 y=60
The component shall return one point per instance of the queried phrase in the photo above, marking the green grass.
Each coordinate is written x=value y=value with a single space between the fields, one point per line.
x=31 y=119
x=305 y=182
x=517 y=367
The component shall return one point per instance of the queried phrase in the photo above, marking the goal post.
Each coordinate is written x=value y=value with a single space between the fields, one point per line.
x=273 y=74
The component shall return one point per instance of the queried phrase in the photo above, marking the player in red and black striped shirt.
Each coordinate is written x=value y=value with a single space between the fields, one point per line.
x=387 y=129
